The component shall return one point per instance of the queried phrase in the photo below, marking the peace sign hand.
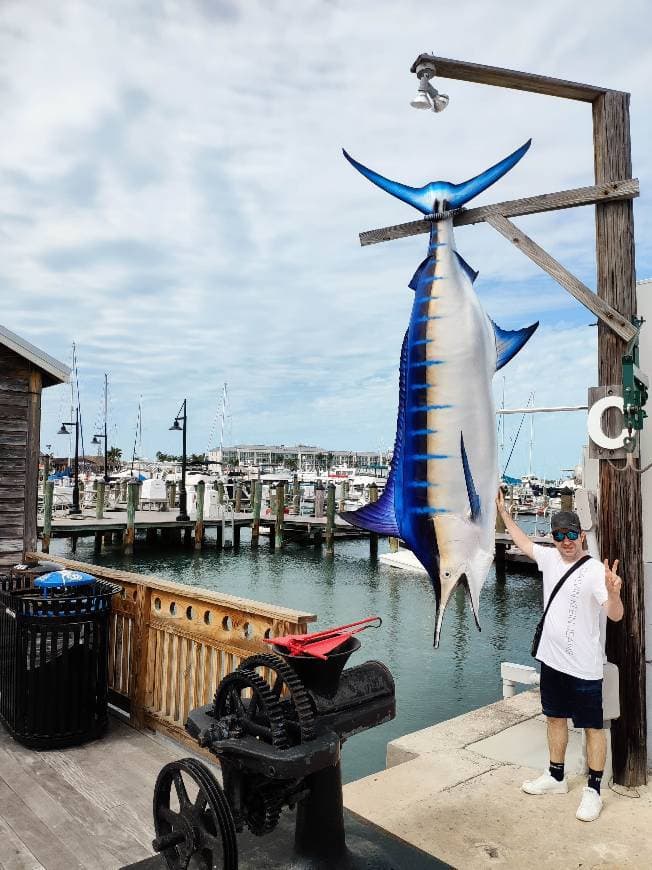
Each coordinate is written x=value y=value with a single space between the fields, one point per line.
x=611 y=579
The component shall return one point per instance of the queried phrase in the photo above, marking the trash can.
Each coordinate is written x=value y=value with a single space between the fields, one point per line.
x=54 y=656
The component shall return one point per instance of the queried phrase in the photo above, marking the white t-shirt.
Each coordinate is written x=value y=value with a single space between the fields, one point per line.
x=570 y=642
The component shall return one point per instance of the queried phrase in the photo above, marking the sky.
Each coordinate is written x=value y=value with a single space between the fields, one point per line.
x=173 y=200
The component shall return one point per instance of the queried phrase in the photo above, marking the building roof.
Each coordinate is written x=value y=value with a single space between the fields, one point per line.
x=55 y=372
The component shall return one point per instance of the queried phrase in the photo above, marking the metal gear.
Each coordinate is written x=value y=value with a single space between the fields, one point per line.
x=261 y=715
x=261 y=809
x=202 y=831
x=298 y=705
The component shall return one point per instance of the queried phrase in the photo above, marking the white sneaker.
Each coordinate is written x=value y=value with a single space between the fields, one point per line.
x=546 y=784
x=590 y=806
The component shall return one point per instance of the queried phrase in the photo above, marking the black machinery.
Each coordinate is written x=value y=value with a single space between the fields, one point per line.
x=277 y=725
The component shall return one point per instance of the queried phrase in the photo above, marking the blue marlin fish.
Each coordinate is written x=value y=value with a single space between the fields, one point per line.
x=440 y=493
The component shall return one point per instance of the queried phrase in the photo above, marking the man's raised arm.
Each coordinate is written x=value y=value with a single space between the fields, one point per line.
x=519 y=537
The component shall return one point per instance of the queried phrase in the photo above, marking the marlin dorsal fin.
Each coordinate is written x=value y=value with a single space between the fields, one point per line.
x=509 y=342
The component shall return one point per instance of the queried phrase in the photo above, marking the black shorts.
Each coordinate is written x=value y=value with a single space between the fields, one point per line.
x=567 y=697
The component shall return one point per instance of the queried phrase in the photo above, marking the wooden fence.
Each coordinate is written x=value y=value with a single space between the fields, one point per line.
x=170 y=644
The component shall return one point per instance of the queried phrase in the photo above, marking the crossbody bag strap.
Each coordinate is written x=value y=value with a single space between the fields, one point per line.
x=574 y=567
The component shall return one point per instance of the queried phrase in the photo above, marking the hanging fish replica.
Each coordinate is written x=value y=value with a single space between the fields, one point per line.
x=440 y=494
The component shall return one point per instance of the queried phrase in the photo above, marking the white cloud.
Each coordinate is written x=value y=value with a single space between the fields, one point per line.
x=174 y=200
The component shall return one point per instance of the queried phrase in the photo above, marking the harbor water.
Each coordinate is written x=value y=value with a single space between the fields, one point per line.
x=431 y=685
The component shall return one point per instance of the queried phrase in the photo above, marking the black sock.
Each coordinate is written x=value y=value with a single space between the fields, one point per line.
x=595 y=777
x=557 y=770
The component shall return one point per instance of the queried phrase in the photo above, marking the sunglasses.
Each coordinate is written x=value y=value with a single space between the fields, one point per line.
x=570 y=534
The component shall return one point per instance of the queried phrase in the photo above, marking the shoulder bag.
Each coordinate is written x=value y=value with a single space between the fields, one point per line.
x=538 y=631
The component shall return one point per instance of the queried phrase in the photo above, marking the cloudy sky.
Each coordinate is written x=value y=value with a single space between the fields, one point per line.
x=173 y=199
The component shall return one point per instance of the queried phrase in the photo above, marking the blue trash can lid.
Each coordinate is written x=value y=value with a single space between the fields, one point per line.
x=59 y=579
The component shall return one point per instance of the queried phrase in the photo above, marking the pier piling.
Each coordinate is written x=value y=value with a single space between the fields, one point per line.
x=130 y=533
x=257 y=500
x=373 y=537
x=172 y=495
x=330 y=520
x=319 y=500
x=99 y=499
x=238 y=498
x=48 y=499
x=344 y=495
x=199 y=523
x=280 y=513
x=296 y=495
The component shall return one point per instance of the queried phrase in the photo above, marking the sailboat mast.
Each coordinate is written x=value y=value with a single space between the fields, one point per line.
x=223 y=418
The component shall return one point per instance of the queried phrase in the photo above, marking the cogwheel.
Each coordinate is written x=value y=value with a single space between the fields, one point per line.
x=300 y=707
x=262 y=810
x=260 y=715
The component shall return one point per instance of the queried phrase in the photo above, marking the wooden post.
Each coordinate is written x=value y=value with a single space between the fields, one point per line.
x=296 y=495
x=280 y=513
x=151 y=536
x=319 y=500
x=238 y=497
x=566 y=501
x=199 y=523
x=620 y=522
x=139 y=654
x=220 y=492
x=48 y=499
x=46 y=471
x=393 y=545
x=373 y=537
x=172 y=494
x=344 y=495
x=99 y=499
x=130 y=533
x=330 y=520
x=123 y=491
x=257 y=501
x=236 y=536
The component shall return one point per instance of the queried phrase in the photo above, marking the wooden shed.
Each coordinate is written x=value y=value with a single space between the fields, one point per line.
x=24 y=372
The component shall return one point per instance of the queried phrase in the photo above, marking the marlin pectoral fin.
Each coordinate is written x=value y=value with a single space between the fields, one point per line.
x=414 y=283
x=471 y=491
x=509 y=342
x=468 y=269
x=418 y=197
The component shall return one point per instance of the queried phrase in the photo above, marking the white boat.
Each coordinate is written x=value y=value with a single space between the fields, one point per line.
x=403 y=559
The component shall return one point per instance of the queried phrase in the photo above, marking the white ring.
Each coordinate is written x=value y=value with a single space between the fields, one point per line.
x=594 y=423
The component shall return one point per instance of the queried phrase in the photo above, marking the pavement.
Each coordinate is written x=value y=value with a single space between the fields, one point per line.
x=454 y=791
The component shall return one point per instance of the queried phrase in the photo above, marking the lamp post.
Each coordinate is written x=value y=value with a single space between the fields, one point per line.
x=96 y=440
x=175 y=427
x=74 y=510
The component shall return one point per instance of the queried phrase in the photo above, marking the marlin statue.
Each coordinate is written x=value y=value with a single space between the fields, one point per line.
x=440 y=494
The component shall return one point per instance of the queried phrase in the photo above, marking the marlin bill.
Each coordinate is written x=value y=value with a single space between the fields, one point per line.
x=440 y=495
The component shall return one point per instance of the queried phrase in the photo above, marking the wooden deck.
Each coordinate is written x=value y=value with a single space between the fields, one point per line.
x=116 y=521
x=84 y=808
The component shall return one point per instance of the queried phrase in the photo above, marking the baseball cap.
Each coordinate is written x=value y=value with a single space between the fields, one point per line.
x=565 y=520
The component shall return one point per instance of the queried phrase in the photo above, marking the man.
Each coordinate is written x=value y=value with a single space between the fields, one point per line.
x=570 y=650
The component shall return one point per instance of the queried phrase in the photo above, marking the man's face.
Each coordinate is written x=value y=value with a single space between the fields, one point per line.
x=569 y=550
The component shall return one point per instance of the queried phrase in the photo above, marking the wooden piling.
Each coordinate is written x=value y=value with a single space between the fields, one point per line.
x=199 y=522
x=566 y=500
x=238 y=497
x=330 y=520
x=499 y=557
x=220 y=492
x=257 y=501
x=48 y=500
x=46 y=471
x=99 y=499
x=280 y=514
x=172 y=494
x=393 y=545
x=130 y=533
x=296 y=495
x=236 y=537
x=151 y=537
x=123 y=491
x=319 y=500
x=187 y=537
x=373 y=537
x=97 y=545
x=344 y=495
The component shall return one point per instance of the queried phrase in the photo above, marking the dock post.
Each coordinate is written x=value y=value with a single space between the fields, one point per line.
x=393 y=545
x=46 y=471
x=257 y=500
x=567 y=501
x=123 y=491
x=130 y=533
x=319 y=500
x=238 y=497
x=199 y=523
x=501 y=547
x=280 y=512
x=48 y=498
x=220 y=492
x=373 y=537
x=236 y=536
x=172 y=494
x=99 y=499
x=151 y=536
x=330 y=520
x=344 y=495
x=296 y=495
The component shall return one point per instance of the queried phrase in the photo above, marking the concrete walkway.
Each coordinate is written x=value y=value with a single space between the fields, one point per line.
x=453 y=790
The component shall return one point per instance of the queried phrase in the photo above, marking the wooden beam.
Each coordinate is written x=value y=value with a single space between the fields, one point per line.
x=613 y=191
x=509 y=78
x=620 y=519
x=605 y=312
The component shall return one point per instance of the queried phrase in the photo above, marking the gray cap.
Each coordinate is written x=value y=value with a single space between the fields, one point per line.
x=565 y=520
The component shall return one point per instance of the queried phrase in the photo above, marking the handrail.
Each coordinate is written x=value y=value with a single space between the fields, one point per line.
x=171 y=644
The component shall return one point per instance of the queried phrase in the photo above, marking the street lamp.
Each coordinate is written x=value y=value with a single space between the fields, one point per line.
x=74 y=510
x=175 y=427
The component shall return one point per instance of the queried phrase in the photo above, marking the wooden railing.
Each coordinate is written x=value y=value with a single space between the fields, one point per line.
x=170 y=644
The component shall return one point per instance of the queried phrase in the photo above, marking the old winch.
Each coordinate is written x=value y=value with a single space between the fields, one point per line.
x=277 y=725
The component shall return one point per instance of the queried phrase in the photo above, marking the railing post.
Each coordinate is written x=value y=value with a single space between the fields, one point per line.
x=257 y=501
x=280 y=513
x=373 y=537
x=139 y=655
x=48 y=499
x=330 y=520
x=199 y=523
x=130 y=533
